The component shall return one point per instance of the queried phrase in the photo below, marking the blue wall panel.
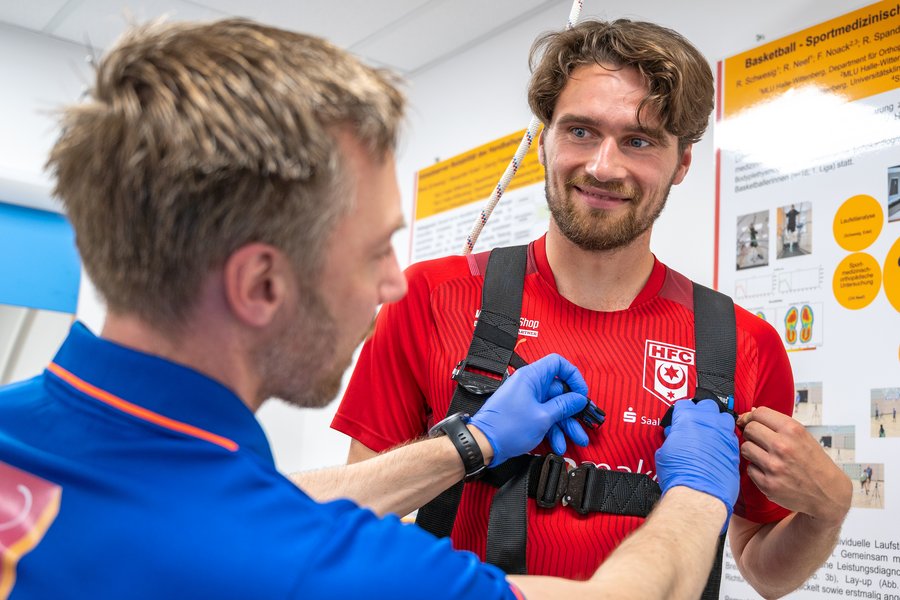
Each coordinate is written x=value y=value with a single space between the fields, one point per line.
x=39 y=264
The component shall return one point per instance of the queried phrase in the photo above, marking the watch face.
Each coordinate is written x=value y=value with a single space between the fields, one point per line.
x=438 y=428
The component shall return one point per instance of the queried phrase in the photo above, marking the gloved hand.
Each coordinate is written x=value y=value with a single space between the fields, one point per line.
x=531 y=403
x=701 y=452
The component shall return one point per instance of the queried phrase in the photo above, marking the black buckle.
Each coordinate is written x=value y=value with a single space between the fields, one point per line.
x=480 y=385
x=726 y=405
x=552 y=481
x=576 y=485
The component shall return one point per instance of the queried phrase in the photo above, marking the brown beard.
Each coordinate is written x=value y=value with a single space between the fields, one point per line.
x=300 y=365
x=597 y=230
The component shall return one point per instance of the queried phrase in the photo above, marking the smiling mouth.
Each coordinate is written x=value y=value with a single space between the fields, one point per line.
x=599 y=198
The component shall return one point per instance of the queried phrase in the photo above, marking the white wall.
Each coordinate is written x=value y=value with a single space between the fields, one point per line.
x=477 y=96
x=38 y=74
x=28 y=339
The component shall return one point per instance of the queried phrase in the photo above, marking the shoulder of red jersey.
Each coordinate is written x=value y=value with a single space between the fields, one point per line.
x=436 y=271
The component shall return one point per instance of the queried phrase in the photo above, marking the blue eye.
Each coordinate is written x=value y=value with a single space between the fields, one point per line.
x=638 y=143
x=579 y=132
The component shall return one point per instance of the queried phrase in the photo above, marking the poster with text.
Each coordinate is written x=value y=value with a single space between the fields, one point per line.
x=808 y=220
x=451 y=194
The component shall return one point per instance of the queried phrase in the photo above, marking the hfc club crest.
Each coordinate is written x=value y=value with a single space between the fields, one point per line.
x=666 y=370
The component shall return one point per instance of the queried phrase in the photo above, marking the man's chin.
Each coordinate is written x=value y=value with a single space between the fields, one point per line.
x=322 y=392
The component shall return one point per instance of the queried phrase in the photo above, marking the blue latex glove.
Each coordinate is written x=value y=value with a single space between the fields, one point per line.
x=529 y=405
x=701 y=452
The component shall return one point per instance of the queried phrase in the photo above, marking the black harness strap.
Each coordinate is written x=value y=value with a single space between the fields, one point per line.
x=715 y=340
x=585 y=488
x=490 y=351
x=507 y=535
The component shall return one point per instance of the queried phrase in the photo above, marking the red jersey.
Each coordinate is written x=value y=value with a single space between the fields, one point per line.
x=635 y=362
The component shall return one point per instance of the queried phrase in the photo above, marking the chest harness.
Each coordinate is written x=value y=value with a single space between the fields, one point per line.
x=586 y=488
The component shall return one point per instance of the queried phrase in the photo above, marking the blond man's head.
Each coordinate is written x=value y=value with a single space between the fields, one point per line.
x=197 y=139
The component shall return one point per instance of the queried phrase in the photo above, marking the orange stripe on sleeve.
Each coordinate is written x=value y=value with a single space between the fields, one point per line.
x=138 y=411
x=516 y=592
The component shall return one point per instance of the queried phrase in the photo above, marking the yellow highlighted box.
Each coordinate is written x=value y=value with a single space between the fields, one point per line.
x=858 y=223
x=855 y=56
x=473 y=175
x=857 y=280
x=892 y=275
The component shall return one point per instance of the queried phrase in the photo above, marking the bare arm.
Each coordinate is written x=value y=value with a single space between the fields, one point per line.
x=398 y=481
x=680 y=535
x=359 y=452
x=789 y=466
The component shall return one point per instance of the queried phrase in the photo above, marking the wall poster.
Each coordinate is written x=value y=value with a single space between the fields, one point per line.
x=450 y=195
x=808 y=221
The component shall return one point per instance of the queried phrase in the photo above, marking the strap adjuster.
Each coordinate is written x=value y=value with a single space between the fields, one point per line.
x=556 y=485
x=476 y=383
x=552 y=482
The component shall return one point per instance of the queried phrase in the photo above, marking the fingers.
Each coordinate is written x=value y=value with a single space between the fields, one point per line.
x=554 y=365
x=557 y=440
x=759 y=434
x=556 y=388
x=565 y=405
x=705 y=410
x=755 y=455
x=575 y=431
x=709 y=406
x=764 y=415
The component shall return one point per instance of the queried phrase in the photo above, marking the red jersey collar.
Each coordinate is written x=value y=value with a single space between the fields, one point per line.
x=651 y=288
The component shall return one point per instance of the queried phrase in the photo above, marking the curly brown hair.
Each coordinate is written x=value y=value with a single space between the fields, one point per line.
x=197 y=139
x=679 y=80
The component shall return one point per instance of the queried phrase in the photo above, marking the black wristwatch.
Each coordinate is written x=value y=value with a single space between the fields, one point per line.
x=455 y=428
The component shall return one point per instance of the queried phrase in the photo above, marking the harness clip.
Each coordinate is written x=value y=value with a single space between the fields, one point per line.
x=478 y=384
x=576 y=486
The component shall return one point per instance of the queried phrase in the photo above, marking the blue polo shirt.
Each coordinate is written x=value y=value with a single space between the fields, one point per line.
x=123 y=475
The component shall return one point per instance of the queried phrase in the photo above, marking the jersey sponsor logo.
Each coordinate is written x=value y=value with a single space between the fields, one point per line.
x=666 y=370
x=629 y=416
x=527 y=327
x=639 y=468
x=28 y=506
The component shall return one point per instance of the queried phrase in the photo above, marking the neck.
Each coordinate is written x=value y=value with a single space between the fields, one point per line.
x=203 y=347
x=604 y=280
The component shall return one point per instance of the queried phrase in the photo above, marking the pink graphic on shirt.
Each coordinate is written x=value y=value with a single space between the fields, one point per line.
x=28 y=506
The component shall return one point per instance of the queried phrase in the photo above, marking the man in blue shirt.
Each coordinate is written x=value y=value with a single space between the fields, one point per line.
x=233 y=194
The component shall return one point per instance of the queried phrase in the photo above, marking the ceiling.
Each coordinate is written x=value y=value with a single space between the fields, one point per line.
x=430 y=30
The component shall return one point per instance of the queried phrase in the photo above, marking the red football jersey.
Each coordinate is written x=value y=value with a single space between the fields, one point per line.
x=635 y=361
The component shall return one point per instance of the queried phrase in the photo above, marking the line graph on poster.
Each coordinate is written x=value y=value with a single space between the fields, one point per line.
x=800 y=280
x=781 y=282
x=761 y=286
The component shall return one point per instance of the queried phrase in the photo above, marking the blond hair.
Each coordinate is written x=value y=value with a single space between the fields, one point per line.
x=679 y=80
x=200 y=138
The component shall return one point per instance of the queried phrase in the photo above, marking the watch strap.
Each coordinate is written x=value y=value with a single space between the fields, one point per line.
x=454 y=427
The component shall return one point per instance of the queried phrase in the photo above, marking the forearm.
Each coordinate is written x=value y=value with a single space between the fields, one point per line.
x=398 y=481
x=778 y=558
x=680 y=535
